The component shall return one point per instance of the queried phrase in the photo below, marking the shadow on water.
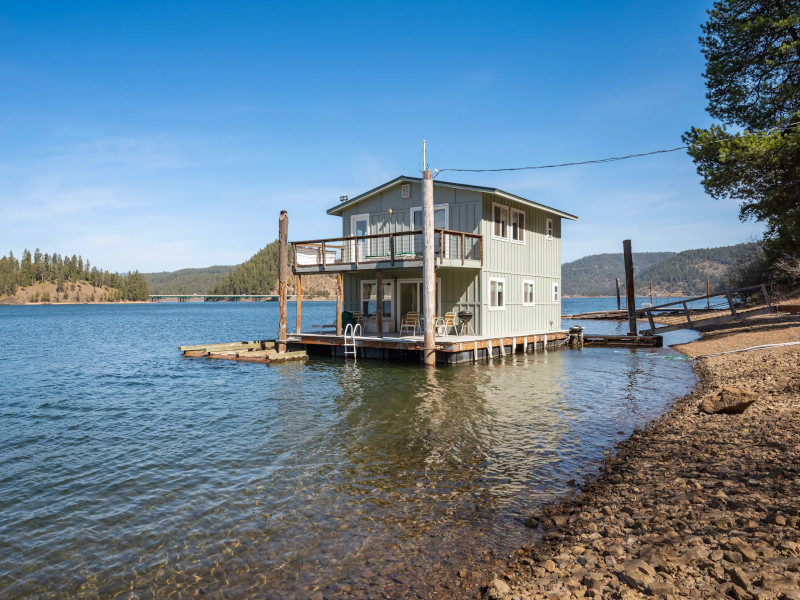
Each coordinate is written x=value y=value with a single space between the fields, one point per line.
x=139 y=473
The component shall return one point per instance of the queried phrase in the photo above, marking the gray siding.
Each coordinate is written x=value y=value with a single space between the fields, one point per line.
x=538 y=260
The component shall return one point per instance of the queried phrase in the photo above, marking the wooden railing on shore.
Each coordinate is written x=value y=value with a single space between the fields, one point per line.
x=391 y=247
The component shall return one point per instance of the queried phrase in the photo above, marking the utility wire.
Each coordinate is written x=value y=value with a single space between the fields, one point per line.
x=616 y=158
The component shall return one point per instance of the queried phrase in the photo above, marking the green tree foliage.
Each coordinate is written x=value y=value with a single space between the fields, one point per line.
x=187 y=281
x=56 y=269
x=752 y=49
x=259 y=275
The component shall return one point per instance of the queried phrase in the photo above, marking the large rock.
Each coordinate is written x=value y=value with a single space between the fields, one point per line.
x=498 y=590
x=730 y=401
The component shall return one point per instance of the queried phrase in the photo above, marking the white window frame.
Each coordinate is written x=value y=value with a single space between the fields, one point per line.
x=503 y=208
x=446 y=207
x=366 y=244
x=548 y=228
x=492 y=297
x=521 y=230
x=405 y=191
x=386 y=282
x=532 y=283
x=399 y=316
x=556 y=292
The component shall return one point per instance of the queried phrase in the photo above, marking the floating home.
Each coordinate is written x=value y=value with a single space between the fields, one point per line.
x=497 y=272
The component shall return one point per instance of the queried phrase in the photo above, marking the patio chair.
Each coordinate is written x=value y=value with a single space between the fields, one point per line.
x=412 y=322
x=446 y=322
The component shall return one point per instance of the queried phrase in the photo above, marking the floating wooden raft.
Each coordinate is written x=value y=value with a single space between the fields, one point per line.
x=262 y=351
x=623 y=340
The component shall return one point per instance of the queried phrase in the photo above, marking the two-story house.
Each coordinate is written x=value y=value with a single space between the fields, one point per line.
x=498 y=256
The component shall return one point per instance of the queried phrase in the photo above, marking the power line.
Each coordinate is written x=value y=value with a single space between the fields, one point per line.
x=616 y=158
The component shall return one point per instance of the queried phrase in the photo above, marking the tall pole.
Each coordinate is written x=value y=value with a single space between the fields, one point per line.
x=708 y=293
x=379 y=305
x=631 y=299
x=299 y=303
x=283 y=275
x=651 y=293
x=619 y=304
x=428 y=266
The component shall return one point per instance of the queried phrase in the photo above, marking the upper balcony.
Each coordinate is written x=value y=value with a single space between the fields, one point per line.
x=399 y=250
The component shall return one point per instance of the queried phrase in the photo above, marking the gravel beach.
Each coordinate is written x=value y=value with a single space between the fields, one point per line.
x=700 y=504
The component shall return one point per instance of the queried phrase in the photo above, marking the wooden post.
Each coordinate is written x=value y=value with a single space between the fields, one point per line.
x=708 y=294
x=428 y=269
x=619 y=305
x=283 y=275
x=299 y=303
x=651 y=293
x=379 y=305
x=339 y=301
x=629 y=294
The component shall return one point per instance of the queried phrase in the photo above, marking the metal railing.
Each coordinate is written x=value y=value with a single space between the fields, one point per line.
x=388 y=247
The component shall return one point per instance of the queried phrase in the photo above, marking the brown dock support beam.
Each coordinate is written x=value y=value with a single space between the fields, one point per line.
x=629 y=289
x=428 y=268
x=339 y=302
x=379 y=305
x=283 y=275
x=299 y=303
x=619 y=305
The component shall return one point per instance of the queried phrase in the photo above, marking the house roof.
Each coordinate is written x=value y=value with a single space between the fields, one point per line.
x=337 y=210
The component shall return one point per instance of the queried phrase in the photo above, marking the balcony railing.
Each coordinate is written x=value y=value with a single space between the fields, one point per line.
x=452 y=247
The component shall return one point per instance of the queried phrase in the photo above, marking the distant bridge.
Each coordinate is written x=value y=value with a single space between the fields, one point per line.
x=213 y=297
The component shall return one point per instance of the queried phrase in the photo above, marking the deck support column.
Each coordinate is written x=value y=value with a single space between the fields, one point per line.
x=339 y=302
x=379 y=305
x=283 y=275
x=428 y=269
x=629 y=289
x=299 y=303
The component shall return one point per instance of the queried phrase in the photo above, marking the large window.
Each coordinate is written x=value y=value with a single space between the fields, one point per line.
x=517 y=226
x=440 y=221
x=497 y=294
x=500 y=222
x=369 y=297
x=528 y=293
x=555 y=291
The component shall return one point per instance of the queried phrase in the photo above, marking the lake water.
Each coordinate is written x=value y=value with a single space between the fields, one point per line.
x=129 y=471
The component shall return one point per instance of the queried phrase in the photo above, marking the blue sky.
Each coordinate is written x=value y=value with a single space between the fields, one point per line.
x=162 y=135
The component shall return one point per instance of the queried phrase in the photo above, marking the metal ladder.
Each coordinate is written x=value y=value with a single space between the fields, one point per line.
x=352 y=331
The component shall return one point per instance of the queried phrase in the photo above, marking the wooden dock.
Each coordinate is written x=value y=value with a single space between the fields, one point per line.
x=634 y=341
x=259 y=351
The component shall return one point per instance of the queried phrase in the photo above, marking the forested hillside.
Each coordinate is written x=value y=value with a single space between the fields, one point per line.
x=64 y=273
x=594 y=275
x=259 y=275
x=683 y=273
x=187 y=281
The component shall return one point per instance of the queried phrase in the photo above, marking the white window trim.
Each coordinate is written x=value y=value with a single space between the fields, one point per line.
x=511 y=229
x=446 y=207
x=489 y=295
x=548 y=229
x=556 y=292
x=399 y=316
x=353 y=220
x=390 y=283
x=508 y=232
x=533 y=285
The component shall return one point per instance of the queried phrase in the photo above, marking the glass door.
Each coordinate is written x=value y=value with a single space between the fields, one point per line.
x=359 y=225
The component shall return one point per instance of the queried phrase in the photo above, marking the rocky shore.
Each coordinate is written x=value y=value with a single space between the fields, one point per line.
x=697 y=505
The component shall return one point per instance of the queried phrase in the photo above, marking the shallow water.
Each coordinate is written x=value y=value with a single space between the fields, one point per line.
x=127 y=470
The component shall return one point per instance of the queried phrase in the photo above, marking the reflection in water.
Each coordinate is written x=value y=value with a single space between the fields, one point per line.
x=151 y=475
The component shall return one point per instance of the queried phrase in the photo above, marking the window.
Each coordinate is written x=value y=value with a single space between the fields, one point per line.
x=555 y=291
x=405 y=190
x=500 y=222
x=528 y=293
x=497 y=294
x=549 y=228
x=517 y=226
x=369 y=298
x=440 y=221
